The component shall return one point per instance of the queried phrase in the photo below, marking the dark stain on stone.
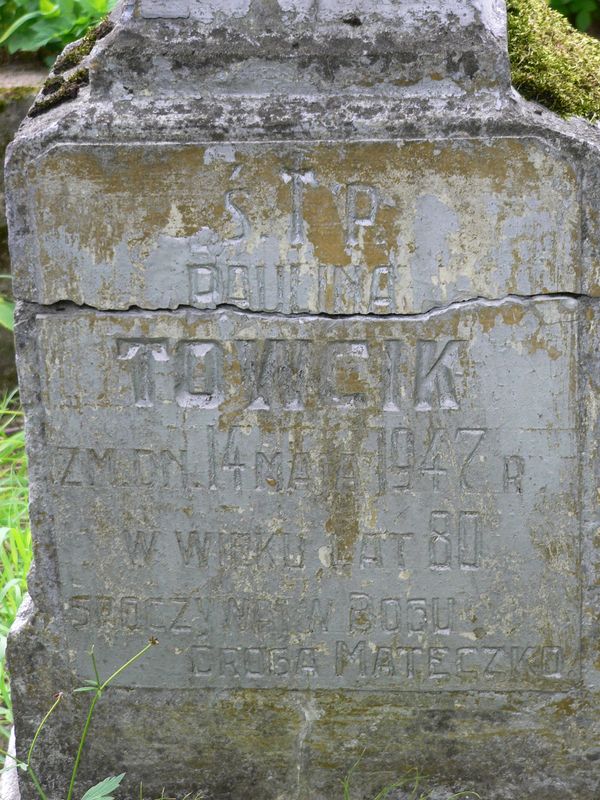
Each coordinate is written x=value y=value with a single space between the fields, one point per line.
x=67 y=90
x=466 y=64
x=53 y=84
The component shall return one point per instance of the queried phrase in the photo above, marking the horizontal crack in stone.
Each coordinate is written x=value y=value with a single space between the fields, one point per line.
x=67 y=306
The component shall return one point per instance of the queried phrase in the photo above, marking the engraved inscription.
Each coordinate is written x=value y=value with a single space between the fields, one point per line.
x=142 y=354
x=307 y=227
x=312 y=503
x=394 y=461
x=278 y=373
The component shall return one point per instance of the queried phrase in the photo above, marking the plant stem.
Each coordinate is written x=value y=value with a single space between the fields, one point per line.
x=30 y=772
x=82 y=743
x=96 y=673
x=36 y=783
x=90 y=714
x=126 y=665
x=39 y=729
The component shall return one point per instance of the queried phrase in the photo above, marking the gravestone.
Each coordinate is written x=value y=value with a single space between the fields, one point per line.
x=308 y=346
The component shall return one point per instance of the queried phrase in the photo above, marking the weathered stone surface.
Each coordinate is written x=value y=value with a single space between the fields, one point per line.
x=303 y=46
x=358 y=484
x=354 y=505
x=337 y=228
x=18 y=88
x=310 y=365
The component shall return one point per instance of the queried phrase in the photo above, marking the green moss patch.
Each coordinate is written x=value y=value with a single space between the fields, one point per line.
x=74 y=55
x=552 y=63
x=59 y=87
x=57 y=91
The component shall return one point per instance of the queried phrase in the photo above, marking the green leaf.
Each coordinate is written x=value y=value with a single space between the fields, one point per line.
x=6 y=314
x=93 y=7
x=67 y=6
x=17 y=24
x=90 y=686
x=48 y=7
x=28 y=25
x=583 y=20
x=102 y=791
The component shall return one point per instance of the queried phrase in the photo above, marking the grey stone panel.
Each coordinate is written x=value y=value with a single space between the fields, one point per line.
x=330 y=227
x=338 y=517
x=381 y=485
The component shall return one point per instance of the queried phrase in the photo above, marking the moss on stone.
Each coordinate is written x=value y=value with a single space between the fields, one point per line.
x=60 y=87
x=58 y=93
x=552 y=63
x=52 y=84
x=73 y=55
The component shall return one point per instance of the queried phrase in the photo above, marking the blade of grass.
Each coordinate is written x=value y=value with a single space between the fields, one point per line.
x=397 y=785
x=346 y=783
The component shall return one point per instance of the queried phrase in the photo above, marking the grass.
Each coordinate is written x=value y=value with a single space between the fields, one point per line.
x=15 y=537
x=412 y=785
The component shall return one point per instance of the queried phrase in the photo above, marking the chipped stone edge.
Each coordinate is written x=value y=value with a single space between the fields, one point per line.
x=9 y=778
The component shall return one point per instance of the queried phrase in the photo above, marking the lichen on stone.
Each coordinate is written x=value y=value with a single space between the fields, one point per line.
x=551 y=62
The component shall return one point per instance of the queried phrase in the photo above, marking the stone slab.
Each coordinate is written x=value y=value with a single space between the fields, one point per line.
x=489 y=14
x=305 y=227
x=303 y=46
x=302 y=503
x=347 y=520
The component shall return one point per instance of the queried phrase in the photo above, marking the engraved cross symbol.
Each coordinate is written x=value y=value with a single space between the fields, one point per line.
x=298 y=181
